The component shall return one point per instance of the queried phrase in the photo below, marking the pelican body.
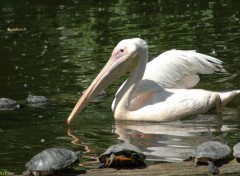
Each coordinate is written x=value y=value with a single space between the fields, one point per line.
x=159 y=90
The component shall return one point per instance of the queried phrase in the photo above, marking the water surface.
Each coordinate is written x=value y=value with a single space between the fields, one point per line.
x=56 y=48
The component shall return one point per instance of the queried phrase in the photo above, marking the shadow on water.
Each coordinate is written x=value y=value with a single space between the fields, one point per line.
x=56 y=48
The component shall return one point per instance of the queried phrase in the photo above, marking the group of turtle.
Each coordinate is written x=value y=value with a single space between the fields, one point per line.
x=55 y=159
x=9 y=104
x=35 y=100
x=124 y=154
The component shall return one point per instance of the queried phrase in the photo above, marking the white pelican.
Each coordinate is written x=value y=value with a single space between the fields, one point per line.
x=159 y=90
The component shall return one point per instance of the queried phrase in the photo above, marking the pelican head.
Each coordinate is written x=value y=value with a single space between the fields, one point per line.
x=124 y=58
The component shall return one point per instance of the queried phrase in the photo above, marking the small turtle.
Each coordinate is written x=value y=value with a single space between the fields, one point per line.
x=51 y=160
x=8 y=104
x=210 y=151
x=122 y=155
x=100 y=96
x=36 y=100
x=236 y=151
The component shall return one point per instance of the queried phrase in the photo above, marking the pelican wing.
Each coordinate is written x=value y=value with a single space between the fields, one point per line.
x=179 y=69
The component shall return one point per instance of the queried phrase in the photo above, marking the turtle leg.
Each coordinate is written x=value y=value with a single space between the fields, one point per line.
x=133 y=157
x=35 y=173
x=195 y=162
x=110 y=160
x=212 y=168
x=27 y=173
x=238 y=159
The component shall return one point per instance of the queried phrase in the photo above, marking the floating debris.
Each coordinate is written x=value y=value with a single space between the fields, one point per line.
x=16 y=29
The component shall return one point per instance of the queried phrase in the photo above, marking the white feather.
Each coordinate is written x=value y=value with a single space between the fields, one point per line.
x=179 y=69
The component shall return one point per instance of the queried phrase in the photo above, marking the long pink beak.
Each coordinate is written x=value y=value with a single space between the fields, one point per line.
x=111 y=71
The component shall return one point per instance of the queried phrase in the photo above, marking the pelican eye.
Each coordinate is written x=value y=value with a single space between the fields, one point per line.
x=121 y=50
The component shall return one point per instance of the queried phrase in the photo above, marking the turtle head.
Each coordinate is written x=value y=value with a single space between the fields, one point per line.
x=78 y=153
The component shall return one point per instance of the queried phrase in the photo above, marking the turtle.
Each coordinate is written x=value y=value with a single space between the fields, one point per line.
x=100 y=96
x=236 y=151
x=210 y=151
x=50 y=160
x=8 y=104
x=123 y=154
x=36 y=99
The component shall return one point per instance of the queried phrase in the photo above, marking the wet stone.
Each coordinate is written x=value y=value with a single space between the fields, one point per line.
x=8 y=104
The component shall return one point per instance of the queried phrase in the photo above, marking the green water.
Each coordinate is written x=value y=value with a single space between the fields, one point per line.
x=64 y=46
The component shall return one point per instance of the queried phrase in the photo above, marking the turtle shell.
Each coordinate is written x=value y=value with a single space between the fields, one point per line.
x=8 y=104
x=36 y=99
x=124 y=149
x=236 y=150
x=213 y=150
x=52 y=159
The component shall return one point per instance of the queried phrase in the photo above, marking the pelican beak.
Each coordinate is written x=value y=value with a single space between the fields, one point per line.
x=115 y=67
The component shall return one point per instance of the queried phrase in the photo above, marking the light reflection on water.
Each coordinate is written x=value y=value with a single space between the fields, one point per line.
x=64 y=47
